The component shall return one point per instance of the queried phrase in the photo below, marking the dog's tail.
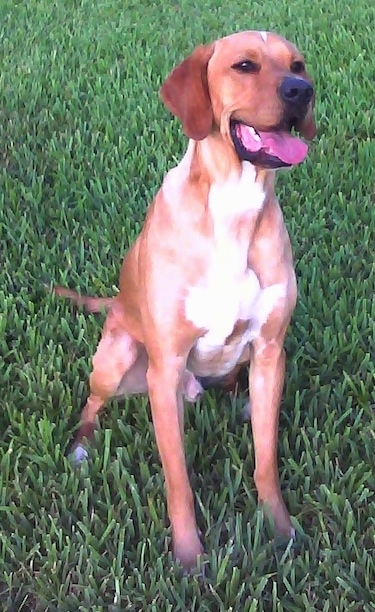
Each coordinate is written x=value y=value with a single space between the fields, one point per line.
x=90 y=303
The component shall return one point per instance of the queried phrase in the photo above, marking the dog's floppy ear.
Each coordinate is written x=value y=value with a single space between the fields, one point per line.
x=185 y=93
x=308 y=128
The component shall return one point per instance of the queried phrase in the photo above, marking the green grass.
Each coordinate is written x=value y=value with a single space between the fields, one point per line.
x=85 y=142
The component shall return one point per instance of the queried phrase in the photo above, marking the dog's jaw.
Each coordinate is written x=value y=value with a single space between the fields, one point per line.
x=267 y=149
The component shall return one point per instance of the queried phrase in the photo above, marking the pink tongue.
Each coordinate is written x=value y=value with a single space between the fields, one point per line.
x=290 y=149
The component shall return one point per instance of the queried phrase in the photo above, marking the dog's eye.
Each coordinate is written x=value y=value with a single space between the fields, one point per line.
x=297 y=67
x=246 y=66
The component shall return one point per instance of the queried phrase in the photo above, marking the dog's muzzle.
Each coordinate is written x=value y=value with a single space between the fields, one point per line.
x=277 y=148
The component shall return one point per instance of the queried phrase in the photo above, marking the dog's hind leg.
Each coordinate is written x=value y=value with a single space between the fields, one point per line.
x=135 y=380
x=116 y=353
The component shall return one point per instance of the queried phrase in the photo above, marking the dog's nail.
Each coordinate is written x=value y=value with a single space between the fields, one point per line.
x=292 y=533
x=79 y=454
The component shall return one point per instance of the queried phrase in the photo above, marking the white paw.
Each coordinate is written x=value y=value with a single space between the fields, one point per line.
x=79 y=454
x=193 y=389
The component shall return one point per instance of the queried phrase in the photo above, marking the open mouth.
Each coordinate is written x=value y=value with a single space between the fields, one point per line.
x=273 y=149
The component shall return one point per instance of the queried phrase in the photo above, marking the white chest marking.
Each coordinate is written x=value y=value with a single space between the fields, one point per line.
x=229 y=291
x=235 y=196
x=264 y=36
x=225 y=300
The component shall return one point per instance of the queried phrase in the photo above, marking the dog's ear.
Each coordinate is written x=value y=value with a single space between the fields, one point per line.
x=308 y=128
x=185 y=93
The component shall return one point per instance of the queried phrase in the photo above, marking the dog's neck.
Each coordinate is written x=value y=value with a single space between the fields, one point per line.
x=227 y=186
x=215 y=160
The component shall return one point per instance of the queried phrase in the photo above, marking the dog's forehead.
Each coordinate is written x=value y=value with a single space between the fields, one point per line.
x=254 y=40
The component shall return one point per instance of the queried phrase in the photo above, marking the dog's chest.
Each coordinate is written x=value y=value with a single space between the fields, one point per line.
x=229 y=292
x=227 y=299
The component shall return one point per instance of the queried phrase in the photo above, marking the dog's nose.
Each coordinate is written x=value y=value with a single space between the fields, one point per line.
x=296 y=91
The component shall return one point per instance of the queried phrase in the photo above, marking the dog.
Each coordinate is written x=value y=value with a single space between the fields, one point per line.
x=209 y=285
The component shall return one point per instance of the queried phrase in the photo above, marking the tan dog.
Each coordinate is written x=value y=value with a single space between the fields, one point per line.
x=209 y=284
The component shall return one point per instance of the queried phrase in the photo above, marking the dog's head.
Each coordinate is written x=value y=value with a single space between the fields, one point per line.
x=253 y=87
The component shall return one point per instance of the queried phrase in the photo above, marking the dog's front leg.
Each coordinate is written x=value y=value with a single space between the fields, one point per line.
x=267 y=373
x=164 y=382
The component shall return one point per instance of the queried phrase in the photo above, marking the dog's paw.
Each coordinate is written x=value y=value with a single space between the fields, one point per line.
x=192 y=388
x=79 y=454
x=188 y=552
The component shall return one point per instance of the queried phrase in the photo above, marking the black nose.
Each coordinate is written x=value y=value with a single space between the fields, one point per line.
x=296 y=91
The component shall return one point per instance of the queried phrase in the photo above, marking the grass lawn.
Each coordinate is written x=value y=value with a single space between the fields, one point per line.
x=85 y=142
